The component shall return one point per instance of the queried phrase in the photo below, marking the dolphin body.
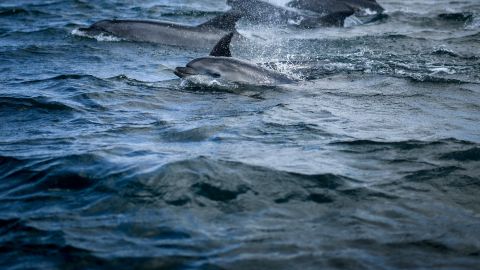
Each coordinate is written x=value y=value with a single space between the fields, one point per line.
x=364 y=10
x=308 y=13
x=326 y=6
x=258 y=11
x=202 y=36
x=220 y=65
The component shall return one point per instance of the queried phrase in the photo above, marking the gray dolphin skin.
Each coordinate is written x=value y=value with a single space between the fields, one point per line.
x=204 y=35
x=364 y=10
x=327 y=6
x=220 y=65
x=308 y=13
x=257 y=11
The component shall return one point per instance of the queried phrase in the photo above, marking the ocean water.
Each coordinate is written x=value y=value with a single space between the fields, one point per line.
x=370 y=161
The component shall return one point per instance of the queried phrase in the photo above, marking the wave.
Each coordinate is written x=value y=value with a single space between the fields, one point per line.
x=472 y=154
x=126 y=79
x=404 y=145
x=210 y=182
x=473 y=23
x=443 y=149
x=16 y=11
x=71 y=172
x=9 y=165
x=63 y=77
x=445 y=52
x=199 y=181
x=471 y=20
x=23 y=243
x=41 y=245
x=429 y=78
x=432 y=174
x=456 y=16
x=460 y=184
x=39 y=32
x=433 y=169
x=42 y=103
x=197 y=134
x=87 y=77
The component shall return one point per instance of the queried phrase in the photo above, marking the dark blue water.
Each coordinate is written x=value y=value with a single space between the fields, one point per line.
x=371 y=161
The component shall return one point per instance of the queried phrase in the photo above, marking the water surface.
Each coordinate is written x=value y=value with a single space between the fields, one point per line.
x=371 y=161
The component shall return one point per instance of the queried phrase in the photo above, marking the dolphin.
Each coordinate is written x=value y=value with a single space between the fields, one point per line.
x=327 y=6
x=364 y=10
x=220 y=65
x=257 y=11
x=202 y=36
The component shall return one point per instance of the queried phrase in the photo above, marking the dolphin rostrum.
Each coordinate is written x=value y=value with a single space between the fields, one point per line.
x=220 y=65
x=202 y=36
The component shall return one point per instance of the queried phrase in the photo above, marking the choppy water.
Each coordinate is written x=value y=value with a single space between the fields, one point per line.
x=371 y=162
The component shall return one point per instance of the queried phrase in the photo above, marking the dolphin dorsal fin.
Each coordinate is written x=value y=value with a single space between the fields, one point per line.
x=225 y=21
x=223 y=46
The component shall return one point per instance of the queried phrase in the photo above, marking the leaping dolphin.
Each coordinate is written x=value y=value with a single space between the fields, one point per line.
x=327 y=6
x=222 y=66
x=364 y=10
x=258 y=11
x=202 y=36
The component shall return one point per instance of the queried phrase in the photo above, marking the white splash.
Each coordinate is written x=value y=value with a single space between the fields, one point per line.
x=368 y=12
x=99 y=37
x=201 y=80
x=473 y=24
x=351 y=21
x=442 y=70
x=295 y=22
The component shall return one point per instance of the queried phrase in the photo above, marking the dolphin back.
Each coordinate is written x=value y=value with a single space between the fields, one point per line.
x=334 y=6
x=163 y=32
x=96 y=28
